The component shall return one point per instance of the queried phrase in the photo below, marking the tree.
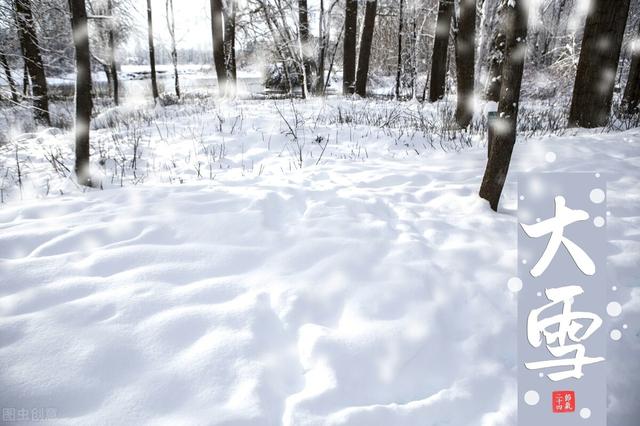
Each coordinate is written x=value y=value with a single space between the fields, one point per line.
x=7 y=72
x=496 y=56
x=171 y=26
x=440 y=48
x=152 y=53
x=33 y=60
x=230 y=43
x=631 y=98
x=303 y=40
x=465 y=61
x=113 y=65
x=365 y=47
x=598 y=64
x=350 y=40
x=84 y=104
x=399 y=64
x=505 y=135
x=217 y=33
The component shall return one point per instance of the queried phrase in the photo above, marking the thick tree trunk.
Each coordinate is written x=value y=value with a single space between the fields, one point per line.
x=230 y=44
x=631 y=98
x=440 y=47
x=465 y=61
x=505 y=135
x=84 y=104
x=303 y=31
x=399 y=64
x=25 y=80
x=152 y=53
x=113 y=65
x=349 y=51
x=365 y=47
x=496 y=56
x=217 y=33
x=599 y=56
x=33 y=60
x=171 y=26
x=7 y=72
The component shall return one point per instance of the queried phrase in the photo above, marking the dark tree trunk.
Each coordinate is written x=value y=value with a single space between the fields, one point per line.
x=303 y=20
x=152 y=53
x=350 y=40
x=365 y=47
x=33 y=60
x=113 y=65
x=399 y=64
x=599 y=55
x=465 y=61
x=440 y=47
x=322 y=51
x=25 y=80
x=217 y=33
x=505 y=137
x=84 y=104
x=496 y=57
x=171 y=26
x=7 y=72
x=631 y=98
x=230 y=43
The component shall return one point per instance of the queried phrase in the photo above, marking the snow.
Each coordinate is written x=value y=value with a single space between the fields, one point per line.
x=365 y=287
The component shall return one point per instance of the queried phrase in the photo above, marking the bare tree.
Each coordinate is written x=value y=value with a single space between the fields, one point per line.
x=631 y=98
x=504 y=138
x=303 y=40
x=440 y=49
x=399 y=63
x=465 y=61
x=598 y=64
x=365 y=47
x=84 y=103
x=15 y=96
x=113 y=65
x=217 y=32
x=152 y=53
x=33 y=60
x=349 y=50
x=171 y=26
x=496 y=55
x=230 y=43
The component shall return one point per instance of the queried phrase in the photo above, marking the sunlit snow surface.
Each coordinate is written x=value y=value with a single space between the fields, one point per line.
x=369 y=289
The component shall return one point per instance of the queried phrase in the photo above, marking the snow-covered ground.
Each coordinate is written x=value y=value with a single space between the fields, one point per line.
x=252 y=273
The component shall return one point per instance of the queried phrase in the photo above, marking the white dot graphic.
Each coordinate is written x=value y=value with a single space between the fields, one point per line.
x=585 y=413
x=598 y=221
x=614 y=309
x=522 y=197
x=625 y=326
x=596 y=195
x=614 y=288
x=539 y=294
x=524 y=261
x=597 y=175
x=531 y=397
x=616 y=335
x=541 y=375
x=514 y=284
x=550 y=157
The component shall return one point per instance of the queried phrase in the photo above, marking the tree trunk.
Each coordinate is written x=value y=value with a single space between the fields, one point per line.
x=171 y=26
x=230 y=44
x=465 y=61
x=217 y=32
x=7 y=72
x=365 y=47
x=505 y=136
x=599 y=55
x=33 y=60
x=152 y=53
x=399 y=64
x=84 y=104
x=440 y=47
x=25 y=80
x=322 y=51
x=631 y=98
x=350 y=40
x=303 y=39
x=113 y=66
x=496 y=56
